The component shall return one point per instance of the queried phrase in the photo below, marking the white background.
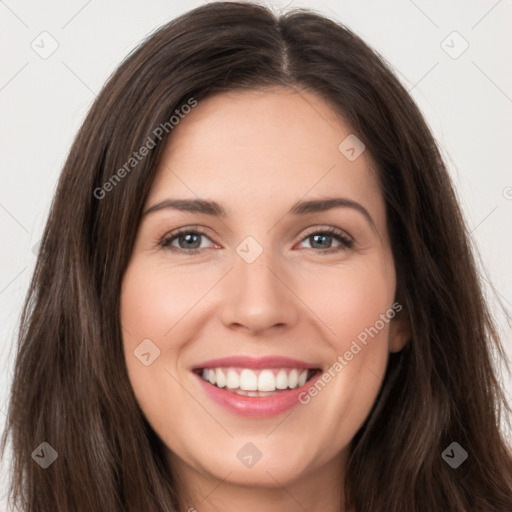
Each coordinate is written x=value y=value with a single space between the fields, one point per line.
x=467 y=101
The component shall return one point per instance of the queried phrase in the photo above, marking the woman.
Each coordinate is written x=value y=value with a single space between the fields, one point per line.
x=251 y=370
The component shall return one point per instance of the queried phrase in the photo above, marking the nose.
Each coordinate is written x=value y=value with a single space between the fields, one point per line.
x=258 y=297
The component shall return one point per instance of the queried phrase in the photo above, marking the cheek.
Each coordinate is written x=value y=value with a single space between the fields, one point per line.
x=356 y=306
x=350 y=300
x=360 y=319
x=151 y=299
x=150 y=307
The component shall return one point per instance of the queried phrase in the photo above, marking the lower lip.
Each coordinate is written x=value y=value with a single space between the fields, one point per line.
x=256 y=406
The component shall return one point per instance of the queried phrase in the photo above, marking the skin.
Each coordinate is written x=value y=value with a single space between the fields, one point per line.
x=257 y=153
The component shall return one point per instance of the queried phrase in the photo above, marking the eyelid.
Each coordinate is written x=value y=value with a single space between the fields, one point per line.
x=327 y=229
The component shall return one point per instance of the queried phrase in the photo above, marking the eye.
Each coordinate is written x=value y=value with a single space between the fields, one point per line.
x=320 y=238
x=188 y=240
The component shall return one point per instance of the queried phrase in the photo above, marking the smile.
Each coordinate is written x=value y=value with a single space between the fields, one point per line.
x=256 y=383
x=255 y=388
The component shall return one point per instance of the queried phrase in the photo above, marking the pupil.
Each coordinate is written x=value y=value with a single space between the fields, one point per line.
x=188 y=238
x=315 y=237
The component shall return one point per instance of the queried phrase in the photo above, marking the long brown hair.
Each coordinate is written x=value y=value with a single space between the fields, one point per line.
x=71 y=387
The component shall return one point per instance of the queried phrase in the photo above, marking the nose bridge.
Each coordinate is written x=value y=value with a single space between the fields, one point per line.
x=252 y=268
x=257 y=297
x=254 y=277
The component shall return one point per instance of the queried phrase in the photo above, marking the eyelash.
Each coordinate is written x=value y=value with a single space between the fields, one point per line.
x=338 y=234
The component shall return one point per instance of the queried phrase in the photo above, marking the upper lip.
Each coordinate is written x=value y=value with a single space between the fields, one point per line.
x=255 y=362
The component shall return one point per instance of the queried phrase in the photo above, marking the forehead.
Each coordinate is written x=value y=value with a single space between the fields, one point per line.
x=254 y=148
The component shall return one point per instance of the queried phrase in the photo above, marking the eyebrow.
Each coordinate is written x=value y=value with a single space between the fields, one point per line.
x=300 y=208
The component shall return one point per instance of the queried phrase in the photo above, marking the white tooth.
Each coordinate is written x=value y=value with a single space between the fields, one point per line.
x=205 y=373
x=232 y=380
x=248 y=380
x=302 y=377
x=266 y=381
x=293 y=379
x=241 y=392
x=211 y=376
x=220 y=378
x=253 y=393
x=281 y=380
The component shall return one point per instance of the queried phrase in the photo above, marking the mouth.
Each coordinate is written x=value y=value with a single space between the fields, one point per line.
x=252 y=382
x=256 y=387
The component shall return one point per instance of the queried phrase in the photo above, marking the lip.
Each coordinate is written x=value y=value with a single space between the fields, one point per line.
x=252 y=406
x=256 y=363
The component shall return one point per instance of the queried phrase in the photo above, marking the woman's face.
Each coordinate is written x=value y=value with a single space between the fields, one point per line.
x=265 y=280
